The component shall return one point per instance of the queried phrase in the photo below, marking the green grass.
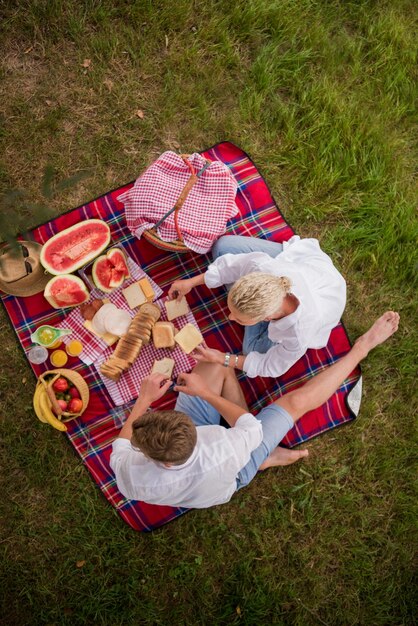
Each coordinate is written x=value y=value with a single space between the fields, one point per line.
x=321 y=95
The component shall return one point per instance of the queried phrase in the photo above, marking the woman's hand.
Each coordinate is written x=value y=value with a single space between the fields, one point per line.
x=179 y=289
x=182 y=287
x=152 y=389
x=209 y=355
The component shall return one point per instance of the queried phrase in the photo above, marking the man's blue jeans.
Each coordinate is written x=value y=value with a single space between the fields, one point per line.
x=275 y=420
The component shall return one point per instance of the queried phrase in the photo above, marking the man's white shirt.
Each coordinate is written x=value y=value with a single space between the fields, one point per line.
x=207 y=478
x=316 y=283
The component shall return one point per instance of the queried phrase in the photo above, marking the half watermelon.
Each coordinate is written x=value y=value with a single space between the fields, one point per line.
x=110 y=270
x=75 y=246
x=66 y=290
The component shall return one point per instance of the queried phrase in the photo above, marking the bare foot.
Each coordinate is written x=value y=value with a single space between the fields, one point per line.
x=283 y=456
x=381 y=330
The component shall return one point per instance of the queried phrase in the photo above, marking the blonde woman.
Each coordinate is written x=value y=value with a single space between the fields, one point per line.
x=288 y=296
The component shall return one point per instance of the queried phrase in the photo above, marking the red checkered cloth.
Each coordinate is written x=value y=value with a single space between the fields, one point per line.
x=202 y=218
x=93 y=346
x=93 y=433
x=127 y=387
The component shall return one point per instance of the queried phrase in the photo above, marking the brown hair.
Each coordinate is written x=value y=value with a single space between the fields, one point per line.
x=165 y=436
x=258 y=295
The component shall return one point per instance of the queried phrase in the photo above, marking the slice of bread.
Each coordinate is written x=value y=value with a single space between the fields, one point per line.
x=176 y=309
x=163 y=366
x=134 y=295
x=188 y=338
x=163 y=335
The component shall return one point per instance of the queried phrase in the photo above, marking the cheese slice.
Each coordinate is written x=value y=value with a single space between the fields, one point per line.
x=163 y=366
x=147 y=288
x=188 y=338
x=175 y=308
x=134 y=295
x=107 y=337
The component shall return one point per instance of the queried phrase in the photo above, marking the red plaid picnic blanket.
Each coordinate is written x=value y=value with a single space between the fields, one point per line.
x=205 y=212
x=92 y=434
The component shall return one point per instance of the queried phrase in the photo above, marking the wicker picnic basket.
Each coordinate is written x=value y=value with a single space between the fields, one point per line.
x=78 y=381
x=177 y=245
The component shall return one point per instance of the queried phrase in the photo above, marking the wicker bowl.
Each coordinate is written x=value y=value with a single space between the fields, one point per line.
x=78 y=381
x=169 y=246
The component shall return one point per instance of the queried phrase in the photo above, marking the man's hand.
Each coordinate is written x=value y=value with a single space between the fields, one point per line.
x=209 y=355
x=179 y=289
x=151 y=388
x=192 y=384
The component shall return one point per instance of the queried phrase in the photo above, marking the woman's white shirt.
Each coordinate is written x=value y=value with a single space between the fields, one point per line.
x=316 y=283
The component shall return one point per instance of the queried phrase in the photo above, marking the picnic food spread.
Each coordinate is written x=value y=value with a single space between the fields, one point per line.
x=129 y=319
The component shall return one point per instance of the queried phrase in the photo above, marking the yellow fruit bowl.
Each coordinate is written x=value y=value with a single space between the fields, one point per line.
x=46 y=403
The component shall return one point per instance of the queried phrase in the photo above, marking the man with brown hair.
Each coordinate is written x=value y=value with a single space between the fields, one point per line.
x=185 y=458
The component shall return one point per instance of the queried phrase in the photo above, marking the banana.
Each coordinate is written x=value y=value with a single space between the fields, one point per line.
x=47 y=414
x=36 y=404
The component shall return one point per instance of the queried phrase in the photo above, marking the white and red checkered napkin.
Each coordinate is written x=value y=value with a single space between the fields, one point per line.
x=130 y=382
x=93 y=346
x=205 y=212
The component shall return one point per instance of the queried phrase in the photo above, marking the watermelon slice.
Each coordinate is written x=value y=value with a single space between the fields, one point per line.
x=110 y=270
x=118 y=258
x=75 y=246
x=66 y=290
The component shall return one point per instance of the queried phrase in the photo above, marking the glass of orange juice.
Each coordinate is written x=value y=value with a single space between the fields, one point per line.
x=74 y=347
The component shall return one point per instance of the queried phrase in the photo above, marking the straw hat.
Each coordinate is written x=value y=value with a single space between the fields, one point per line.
x=21 y=273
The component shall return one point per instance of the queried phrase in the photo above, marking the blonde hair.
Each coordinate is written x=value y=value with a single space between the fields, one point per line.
x=258 y=295
x=165 y=436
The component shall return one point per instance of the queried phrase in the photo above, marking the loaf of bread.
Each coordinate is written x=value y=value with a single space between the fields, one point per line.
x=176 y=309
x=163 y=366
x=152 y=310
x=129 y=346
x=163 y=335
x=188 y=338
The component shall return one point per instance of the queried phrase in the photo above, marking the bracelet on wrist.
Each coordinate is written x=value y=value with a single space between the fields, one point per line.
x=227 y=359
x=236 y=360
